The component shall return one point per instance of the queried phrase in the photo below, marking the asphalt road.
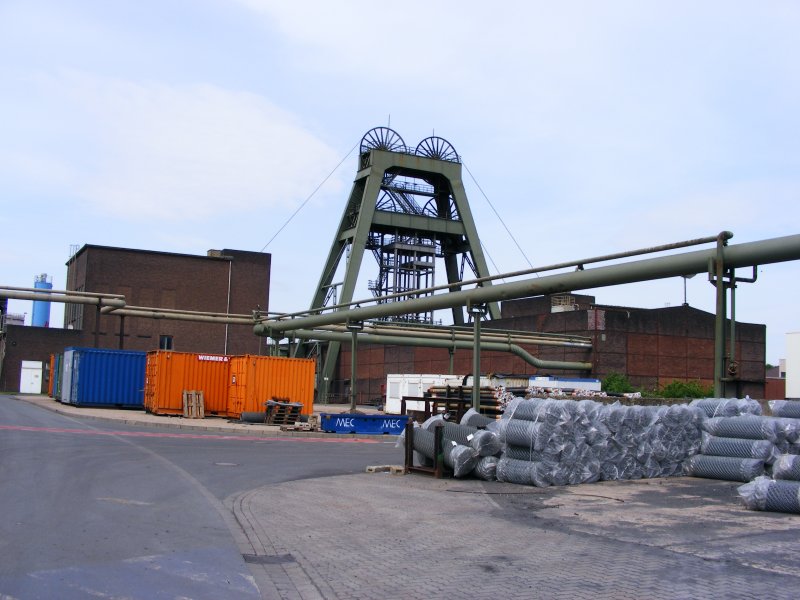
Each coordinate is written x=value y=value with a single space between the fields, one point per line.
x=94 y=509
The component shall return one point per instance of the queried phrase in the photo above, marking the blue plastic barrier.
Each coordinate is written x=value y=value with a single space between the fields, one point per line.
x=370 y=424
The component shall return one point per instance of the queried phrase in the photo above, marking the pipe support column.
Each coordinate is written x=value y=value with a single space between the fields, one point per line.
x=477 y=311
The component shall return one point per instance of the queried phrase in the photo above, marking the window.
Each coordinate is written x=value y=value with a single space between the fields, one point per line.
x=165 y=342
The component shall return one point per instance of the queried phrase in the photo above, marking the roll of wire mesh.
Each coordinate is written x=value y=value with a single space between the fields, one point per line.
x=785 y=408
x=460 y=459
x=486 y=468
x=726 y=468
x=472 y=418
x=512 y=470
x=524 y=433
x=452 y=431
x=548 y=410
x=531 y=455
x=787 y=466
x=727 y=407
x=749 y=427
x=582 y=441
x=485 y=443
x=764 y=493
x=738 y=447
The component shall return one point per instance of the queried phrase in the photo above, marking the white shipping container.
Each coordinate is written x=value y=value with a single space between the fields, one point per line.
x=793 y=365
x=567 y=383
x=494 y=381
x=30 y=380
x=398 y=385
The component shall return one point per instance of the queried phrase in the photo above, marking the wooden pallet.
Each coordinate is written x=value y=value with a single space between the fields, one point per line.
x=298 y=427
x=282 y=413
x=193 y=404
x=393 y=469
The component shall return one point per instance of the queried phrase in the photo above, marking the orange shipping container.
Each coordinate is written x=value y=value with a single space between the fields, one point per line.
x=52 y=375
x=256 y=379
x=168 y=374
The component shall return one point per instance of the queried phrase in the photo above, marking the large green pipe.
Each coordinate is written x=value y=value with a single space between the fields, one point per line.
x=570 y=341
x=390 y=340
x=67 y=297
x=741 y=255
x=718 y=266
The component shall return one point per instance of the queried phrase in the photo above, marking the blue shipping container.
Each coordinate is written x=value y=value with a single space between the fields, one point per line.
x=97 y=377
x=371 y=424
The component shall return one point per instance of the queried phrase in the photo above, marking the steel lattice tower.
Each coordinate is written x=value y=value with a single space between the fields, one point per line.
x=408 y=207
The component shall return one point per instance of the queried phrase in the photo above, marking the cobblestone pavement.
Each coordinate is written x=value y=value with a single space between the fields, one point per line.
x=388 y=536
x=394 y=536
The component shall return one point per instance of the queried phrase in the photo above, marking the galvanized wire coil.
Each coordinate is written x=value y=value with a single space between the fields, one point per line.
x=787 y=466
x=486 y=443
x=788 y=428
x=524 y=433
x=541 y=474
x=785 y=408
x=738 y=447
x=549 y=410
x=581 y=441
x=529 y=454
x=514 y=471
x=452 y=431
x=460 y=459
x=473 y=418
x=764 y=493
x=749 y=427
x=725 y=467
x=727 y=407
x=486 y=468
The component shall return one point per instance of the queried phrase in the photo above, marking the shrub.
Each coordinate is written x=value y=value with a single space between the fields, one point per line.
x=617 y=383
x=685 y=389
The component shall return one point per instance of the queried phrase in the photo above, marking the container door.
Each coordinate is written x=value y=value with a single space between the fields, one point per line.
x=393 y=395
x=66 y=381
x=30 y=379
x=238 y=386
x=150 y=379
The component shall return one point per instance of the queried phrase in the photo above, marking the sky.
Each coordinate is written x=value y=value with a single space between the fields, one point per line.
x=589 y=127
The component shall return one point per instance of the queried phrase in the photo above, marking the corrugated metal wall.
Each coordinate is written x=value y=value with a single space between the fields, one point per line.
x=105 y=377
x=168 y=374
x=256 y=379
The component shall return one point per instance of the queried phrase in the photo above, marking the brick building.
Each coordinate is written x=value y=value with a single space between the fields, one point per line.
x=223 y=281
x=652 y=347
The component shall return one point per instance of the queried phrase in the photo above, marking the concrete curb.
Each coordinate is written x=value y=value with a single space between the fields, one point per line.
x=141 y=419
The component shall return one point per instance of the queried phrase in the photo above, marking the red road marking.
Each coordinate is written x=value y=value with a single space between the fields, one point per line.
x=188 y=435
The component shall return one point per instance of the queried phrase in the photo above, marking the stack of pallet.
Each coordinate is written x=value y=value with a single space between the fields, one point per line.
x=282 y=413
x=492 y=399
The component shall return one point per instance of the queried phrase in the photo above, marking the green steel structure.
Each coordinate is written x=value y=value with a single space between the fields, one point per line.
x=409 y=208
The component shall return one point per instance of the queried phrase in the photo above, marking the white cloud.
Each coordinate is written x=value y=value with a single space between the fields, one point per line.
x=186 y=152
